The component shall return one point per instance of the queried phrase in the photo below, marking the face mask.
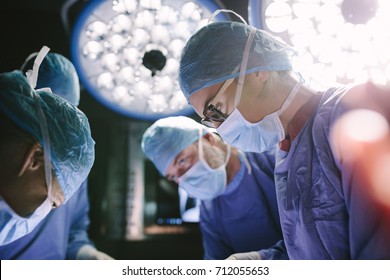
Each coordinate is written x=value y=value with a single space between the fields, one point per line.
x=14 y=226
x=255 y=137
x=203 y=182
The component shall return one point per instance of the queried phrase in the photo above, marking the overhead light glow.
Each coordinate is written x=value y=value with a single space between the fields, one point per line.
x=338 y=41
x=127 y=52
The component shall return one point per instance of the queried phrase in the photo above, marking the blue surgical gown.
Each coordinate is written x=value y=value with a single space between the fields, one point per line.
x=245 y=217
x=324 y=211
x=59 y=236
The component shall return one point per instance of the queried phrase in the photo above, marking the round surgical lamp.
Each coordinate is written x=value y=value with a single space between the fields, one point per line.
x=338 y=41
x=127 y=52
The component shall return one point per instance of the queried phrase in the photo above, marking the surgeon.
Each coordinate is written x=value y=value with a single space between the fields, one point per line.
x=62 y=234
x=46 y=152
x=240 y=80
x=238 y=211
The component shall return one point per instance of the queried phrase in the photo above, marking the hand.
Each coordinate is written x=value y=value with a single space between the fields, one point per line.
x=245 y=256
x=87 y=252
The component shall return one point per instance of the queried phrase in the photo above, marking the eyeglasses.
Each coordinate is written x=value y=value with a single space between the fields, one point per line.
x=211 y=113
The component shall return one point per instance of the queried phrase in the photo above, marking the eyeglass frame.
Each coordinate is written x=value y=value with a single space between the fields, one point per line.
x=208 y=119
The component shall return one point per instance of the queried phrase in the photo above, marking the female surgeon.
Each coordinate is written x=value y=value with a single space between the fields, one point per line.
x=239 y=79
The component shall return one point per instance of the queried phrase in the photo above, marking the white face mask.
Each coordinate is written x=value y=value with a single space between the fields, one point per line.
x=255 y=137
x=14 y=226
x=203 y=182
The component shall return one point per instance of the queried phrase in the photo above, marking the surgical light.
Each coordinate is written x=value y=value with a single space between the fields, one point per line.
x=338 y=41
x=127 y=52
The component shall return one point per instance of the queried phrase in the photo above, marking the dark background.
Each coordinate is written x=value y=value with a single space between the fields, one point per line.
x=25 y=26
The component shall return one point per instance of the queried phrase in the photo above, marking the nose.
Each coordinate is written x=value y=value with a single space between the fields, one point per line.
x=217 y=124
x=57 y=199
x=172 y=176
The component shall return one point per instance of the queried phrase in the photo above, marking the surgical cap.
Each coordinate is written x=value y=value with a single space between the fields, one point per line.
x=59 y=74
x=167 y=137
x=214 y=53
x=72 y=147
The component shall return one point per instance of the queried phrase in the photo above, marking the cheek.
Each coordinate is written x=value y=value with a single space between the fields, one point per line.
x=34 y=199
x=251 y=108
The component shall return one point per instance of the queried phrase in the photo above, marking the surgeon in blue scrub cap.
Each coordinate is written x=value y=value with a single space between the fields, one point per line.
x=63 y=233
x=46 y=153
x=238 y=210
x=239 y=79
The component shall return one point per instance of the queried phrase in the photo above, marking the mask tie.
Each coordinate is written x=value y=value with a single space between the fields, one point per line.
x=244 y=64
x=225 y=11
x=32 y=77
x=289 y=98
x=246 y=161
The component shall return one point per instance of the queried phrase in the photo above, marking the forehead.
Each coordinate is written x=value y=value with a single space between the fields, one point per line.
x=200 y=98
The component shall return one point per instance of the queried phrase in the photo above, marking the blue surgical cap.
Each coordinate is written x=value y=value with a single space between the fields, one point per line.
x=214 y=54
x=59 y=74
x=72 y=147
x=167 y=137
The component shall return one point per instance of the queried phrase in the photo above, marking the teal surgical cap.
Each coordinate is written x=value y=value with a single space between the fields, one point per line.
x=71 y=144
x=214 y=54
x=167 y=137
x=59 y=74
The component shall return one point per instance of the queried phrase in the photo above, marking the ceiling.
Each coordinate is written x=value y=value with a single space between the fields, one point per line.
x=25 y=26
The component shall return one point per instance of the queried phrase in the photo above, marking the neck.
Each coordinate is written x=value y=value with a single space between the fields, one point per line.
x=300 y=99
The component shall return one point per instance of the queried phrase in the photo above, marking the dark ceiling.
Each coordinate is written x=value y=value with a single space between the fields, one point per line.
x=25 y=26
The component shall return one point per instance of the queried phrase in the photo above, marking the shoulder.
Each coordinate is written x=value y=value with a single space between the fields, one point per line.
x=337 y=101
x=263 y=159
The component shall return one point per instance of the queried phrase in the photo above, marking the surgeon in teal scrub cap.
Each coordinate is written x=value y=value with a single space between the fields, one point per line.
x=46 y=153
x=63 y=233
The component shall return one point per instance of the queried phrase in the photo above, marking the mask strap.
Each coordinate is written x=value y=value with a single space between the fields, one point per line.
x=290 y=97
x=46 y=145
x=225 y=85
x=200 y=145
x=228 y=153
x=34 y=54
x=225 y=11
x=244 y=64
x=32 y=76
x=246 y=161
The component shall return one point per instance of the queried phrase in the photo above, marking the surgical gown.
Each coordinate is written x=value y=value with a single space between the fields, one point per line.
x=59 y=236
x=324 y=208
x=245 y=217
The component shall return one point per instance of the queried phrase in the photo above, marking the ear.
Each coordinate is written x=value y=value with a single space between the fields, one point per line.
x=33 y=159
x=209 y=137
x=262 y=76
